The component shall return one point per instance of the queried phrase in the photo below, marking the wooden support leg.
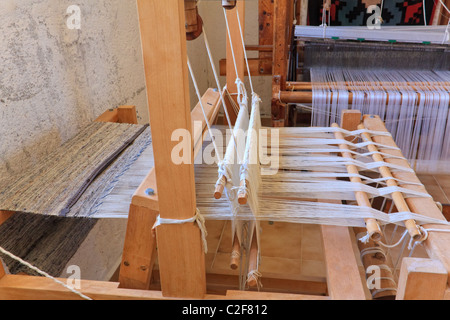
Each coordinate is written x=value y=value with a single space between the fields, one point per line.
x=139 y=250
x=344 y=281
x=422 y=279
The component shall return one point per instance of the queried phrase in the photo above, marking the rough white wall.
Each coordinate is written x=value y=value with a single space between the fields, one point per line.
x=54 y=80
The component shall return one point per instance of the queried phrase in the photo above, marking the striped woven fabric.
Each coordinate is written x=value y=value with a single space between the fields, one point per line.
x=73 y=180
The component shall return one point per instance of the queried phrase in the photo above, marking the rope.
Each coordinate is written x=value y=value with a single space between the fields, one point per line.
x=43 y=273
x=213 y=67
x=197 y=218
x=203 y=110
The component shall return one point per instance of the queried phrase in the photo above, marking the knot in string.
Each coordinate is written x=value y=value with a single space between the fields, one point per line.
x=197 y=218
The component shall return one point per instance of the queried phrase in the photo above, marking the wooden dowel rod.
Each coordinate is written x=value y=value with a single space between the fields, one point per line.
x=307 y=97
x=397 y=196
x=362 y=198
x=235 y=253
x=309 y=85
x=243 y=195
x=220 y=187
x=253 y=262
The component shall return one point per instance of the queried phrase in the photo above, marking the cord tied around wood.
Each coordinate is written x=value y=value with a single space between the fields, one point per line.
x=198 y=218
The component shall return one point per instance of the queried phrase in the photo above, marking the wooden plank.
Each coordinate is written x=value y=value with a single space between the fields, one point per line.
x=127 y=114
x=253 y=295
x=344 y=281
x=422 y=279
x=266 y=10
x=218 y=283
x=110 y=115
x=211 y=102
x=122 y=114
x=257 y=66
x=139 y=250
x=18 y=287
x=180 y=251
x=282 y=24
x=238 y=53
x=437 y=242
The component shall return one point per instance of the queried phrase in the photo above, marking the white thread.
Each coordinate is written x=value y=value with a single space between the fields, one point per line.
x=203 y=110
x=43 y=273
x=198 y=218
x=256 y=276
x=245 y=51
x=213 y=67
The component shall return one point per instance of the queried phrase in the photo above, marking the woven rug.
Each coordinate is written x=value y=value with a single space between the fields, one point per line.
x=47 y=242
x=73 y=180
x=354 y=12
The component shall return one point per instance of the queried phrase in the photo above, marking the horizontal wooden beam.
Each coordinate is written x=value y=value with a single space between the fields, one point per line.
x=260 y=48
x=19 y=287
x=122 y=114
x=221 y=283
x=258 y=67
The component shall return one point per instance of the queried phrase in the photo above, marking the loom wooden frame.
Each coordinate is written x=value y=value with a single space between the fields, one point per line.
x=168 y=65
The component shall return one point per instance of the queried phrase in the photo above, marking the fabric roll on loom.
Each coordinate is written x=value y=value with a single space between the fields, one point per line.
x=59 y=200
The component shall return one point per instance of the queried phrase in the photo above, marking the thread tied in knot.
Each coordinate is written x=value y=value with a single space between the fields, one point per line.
x=198 y=218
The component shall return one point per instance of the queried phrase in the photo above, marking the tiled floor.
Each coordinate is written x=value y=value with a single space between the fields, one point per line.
x=438 y=186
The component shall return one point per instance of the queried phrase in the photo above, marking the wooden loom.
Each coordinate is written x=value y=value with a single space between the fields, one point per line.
x=180 y=255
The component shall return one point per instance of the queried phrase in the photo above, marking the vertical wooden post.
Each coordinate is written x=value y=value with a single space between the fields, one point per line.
x=265 y=8
x=139 y=249
x=282 y=29
x=180 y=251
x=422 y=279
x=238 y=54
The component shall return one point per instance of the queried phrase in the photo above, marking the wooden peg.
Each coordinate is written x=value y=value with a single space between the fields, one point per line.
x=253 y=263
x=243 y=194
x=220 y=187
x=235 y=254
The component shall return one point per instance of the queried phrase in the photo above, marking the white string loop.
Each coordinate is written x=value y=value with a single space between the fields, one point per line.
x=198 y=218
